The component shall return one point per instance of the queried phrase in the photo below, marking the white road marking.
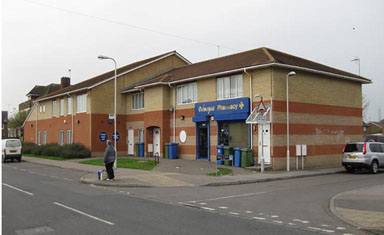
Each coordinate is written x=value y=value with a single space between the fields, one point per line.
x=203 y=203
x=223 y=207
x=277 y=221
x=233 y=213
x=32 y=231
x=241 y=195
x=83 y=213
x=323 y=230
x=259 y=218
x=274 y=216
x=261 y=214
x=207 y=208
x=340 y=228
x=348 y=234
x=248 y=212
x=192 y=201
x=291 y=224
x=31 y=194
x=325 y=225
x=302 y=221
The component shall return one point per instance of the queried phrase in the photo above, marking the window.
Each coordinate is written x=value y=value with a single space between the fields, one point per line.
x=187 y=93
x=45 y=137
x=81 y=103
x=230 y=87
x=69 y=105
x=69 y=137
x=43 y=108
x=137 y=101
x=61 y=107
x=61 y=142
x=54 y=108
x=38 y=138
x=141 y=135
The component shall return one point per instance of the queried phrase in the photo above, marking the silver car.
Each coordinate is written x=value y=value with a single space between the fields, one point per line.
x=363 y=155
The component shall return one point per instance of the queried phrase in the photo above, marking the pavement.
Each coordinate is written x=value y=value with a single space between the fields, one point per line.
x=363 y=208
x=177 y=173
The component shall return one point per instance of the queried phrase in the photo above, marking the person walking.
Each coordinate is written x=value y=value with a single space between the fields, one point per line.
x=109 y=159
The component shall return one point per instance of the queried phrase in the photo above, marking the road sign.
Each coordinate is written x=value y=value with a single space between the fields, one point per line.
x=261 y=107
x=103 y=136
x=117 y=136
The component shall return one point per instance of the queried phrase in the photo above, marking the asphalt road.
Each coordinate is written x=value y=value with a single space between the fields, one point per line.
x=40 y=199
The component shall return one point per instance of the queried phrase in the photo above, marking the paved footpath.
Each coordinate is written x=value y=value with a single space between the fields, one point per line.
x=363 y=208
x=175 y=173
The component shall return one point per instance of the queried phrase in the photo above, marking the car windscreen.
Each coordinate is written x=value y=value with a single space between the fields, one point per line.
x=12 y=143
x=353 y=148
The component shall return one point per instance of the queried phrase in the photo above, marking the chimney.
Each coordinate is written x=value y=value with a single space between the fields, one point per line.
x=65 y=82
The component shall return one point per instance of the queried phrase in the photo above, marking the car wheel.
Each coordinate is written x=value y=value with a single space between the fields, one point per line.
x=19 y=159
x=374 y=167
x=349 y=169
x=3 y=158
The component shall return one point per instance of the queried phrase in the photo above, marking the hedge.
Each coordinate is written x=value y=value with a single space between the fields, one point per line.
x=54 y=150
x=27 y=147
x=75 y=151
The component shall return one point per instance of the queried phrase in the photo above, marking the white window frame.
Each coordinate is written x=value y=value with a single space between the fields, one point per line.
x=41 y=108
x=39 y=138
x=81 y=103
x=61 y=138
x=69 y=136
x=141 y=135
x=45 y=137
x=54 y=108
x=229 y=87
x=187 y=93
x=44 y=108
x=69 y=105
x=137 y=101
x=61 y=107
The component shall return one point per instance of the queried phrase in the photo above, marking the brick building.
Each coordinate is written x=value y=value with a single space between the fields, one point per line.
x=204 y=104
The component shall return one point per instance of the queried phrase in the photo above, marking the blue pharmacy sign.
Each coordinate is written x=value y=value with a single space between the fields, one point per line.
x=117 y=136
x=103 y=136
x=232 y=109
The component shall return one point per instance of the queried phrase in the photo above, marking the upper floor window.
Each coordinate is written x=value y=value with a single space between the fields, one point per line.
x=69 y=105
x=61 y=107
x=187 y=93
x=137 y=101
x=54 y=108
x=81 y=103
x=230 y=87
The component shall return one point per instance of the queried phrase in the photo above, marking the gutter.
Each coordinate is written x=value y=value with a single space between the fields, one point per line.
x=174 y=112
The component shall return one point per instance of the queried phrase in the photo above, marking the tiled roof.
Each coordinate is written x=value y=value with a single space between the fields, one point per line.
x=44 y=90
x=260 y=56
x=103 y=77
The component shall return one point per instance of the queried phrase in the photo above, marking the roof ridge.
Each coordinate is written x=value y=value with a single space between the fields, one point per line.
x=265 y=49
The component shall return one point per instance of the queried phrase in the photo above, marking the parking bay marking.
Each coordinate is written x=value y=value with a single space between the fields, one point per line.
x=233 y=196
x=83 y=213
x=10 y=186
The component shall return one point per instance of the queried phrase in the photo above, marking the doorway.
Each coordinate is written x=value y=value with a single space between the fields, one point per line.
x=203 y=141
x=156 y=141
x=130 y=141
x=264 y=142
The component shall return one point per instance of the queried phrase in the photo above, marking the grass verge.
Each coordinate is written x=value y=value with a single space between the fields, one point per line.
x=146 y=165
x=45 y=157
x=221 y=171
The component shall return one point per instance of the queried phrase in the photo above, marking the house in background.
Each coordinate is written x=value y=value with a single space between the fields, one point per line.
x=39 y=91
x=373 y=127
x=4 y=124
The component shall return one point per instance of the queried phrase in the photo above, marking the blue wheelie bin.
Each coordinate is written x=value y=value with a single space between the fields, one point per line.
x=173 y=150
x=237 y=156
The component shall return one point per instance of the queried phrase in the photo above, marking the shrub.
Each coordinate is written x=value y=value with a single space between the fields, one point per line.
x=27 y=147
x=52 y=149
x=37 y=150
x=75 y=151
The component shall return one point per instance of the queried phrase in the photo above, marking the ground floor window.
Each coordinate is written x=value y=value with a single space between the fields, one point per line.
x=39 y=138
x=69 y=137
x=61 y=142
x=141 y=135
x=234 y=134
x=45 y=137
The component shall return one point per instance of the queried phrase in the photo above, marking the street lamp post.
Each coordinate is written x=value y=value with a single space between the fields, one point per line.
x=292 y=73
x=262 y=138
x=101 y=57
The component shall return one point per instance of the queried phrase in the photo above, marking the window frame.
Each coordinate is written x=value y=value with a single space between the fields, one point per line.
x=140 y=135
x=229 y=87
x=54 y=108
x=188 y=91
x=39 y=138
x=61 y=137
x=45 y=137
x=62 y=107
x=69 y=136
x=134 y=97
x=81 y=103
x=69 y=105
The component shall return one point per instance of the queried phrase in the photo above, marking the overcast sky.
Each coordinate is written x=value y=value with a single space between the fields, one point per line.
x=42 y=39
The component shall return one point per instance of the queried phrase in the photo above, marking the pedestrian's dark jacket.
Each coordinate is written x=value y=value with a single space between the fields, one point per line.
x=109 y=154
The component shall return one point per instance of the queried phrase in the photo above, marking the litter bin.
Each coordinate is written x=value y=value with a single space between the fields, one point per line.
x=244 y=157
x=166 y=150
x=220 y=150
x=173 y=150
x=137 y=149
x=141 y=149
x=228 y=150
x=237 y=151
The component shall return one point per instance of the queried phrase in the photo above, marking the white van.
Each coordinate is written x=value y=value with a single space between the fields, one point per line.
x=11 y=149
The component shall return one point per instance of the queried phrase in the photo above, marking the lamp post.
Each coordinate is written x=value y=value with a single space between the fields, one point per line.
x=290 y=74
x=262 y=138
x=101 y=57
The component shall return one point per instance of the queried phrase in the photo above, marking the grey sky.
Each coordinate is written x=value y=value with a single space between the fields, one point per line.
x=40 y=43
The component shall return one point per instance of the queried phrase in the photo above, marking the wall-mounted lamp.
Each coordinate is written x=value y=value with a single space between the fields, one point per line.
x=182 y=117
x=212 y=118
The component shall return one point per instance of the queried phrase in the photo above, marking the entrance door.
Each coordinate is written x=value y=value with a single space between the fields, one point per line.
x=264 y=142
x=203 y=142
x=156 y=141
x=130 y=141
